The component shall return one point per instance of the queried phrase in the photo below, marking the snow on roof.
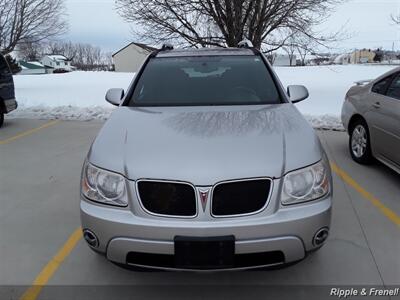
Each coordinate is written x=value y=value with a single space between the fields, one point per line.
x=36 y=63
x=31 y=65
x=57 y=57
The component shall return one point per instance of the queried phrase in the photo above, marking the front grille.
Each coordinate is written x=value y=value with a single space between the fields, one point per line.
x=240 y=197
x=168 y=198
x=248 y=260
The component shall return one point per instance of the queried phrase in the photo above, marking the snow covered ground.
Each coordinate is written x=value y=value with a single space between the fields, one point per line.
x=80 y=95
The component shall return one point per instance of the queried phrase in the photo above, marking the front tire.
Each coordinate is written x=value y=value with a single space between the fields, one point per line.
x=360 y=143
x=1 y=119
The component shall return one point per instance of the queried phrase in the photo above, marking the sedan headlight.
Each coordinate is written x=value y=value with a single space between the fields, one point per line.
x=306 y=184
x=103 y=186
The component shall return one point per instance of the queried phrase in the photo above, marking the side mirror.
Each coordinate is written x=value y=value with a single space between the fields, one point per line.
x=297 y=93
x=114 y=96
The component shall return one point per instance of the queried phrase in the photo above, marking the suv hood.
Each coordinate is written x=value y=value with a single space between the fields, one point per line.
x=205 y=145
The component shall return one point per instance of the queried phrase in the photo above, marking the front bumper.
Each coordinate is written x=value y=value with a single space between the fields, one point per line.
x=10 y=105
x=348 y=111
x=289 y=230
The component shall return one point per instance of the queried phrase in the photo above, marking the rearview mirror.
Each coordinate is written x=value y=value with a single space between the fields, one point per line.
x=297 y=93
x=114 y=96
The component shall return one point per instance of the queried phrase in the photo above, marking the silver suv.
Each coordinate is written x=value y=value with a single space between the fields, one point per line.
x=206 y=164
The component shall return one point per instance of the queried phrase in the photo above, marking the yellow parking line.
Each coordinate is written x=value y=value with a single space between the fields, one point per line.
x=391 y=215
x=28 y=132
x=48 y=271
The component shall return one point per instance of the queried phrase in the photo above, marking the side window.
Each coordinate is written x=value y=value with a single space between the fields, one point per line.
x=381 y=86
x=394 y=88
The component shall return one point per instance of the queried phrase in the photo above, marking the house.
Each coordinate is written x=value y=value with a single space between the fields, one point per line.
x=131 y=57
x=31 y=68
x=57 y=62
x=362 y=56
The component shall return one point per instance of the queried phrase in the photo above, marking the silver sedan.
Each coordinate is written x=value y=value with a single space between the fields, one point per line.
x=371 y=114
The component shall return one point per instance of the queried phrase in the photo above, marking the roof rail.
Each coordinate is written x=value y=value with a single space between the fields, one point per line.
x=166 y=47
x=245 y=44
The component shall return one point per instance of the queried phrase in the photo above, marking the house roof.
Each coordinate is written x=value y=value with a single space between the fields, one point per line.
x=57 y=57
x=32 y=65
x=36 y=63
x=143 y=46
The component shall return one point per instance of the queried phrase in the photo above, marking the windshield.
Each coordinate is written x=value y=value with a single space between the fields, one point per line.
x=205 y=80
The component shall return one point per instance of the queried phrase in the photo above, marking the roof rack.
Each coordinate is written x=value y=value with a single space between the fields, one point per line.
x=245 y=44
x=166 y=47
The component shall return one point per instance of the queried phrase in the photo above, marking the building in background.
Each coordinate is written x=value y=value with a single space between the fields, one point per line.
x=31 y=68
x=365 y=56
x=57 y=63
x=131 y=57
x=362 y=56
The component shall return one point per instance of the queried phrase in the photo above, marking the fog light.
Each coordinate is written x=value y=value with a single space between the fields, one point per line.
x=321 y=236
x=90 y=238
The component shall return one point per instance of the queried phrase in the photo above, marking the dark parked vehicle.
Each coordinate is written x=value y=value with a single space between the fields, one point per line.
x=7 y=92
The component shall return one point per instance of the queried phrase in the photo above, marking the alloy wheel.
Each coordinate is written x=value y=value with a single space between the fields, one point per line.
x=359 y=141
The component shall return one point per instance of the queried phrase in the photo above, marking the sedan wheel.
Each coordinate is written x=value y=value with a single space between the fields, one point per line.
x=1 y=119
x=360 y=147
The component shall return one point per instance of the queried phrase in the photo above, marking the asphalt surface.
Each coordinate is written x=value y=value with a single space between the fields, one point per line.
x=40 y=164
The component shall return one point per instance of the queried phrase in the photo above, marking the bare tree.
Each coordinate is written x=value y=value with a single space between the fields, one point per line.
x=202 y=23
x=290 y=48
x=396 y=19
x=85 y=57
x=68 y=49
x=304 y=46
x=30 y=51
x=29 y=21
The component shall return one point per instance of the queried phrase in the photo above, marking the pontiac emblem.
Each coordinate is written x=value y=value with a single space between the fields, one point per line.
x=204 y=198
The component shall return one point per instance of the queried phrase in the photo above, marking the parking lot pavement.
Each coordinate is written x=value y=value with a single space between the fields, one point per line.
x=40 y=164
x=378 y=216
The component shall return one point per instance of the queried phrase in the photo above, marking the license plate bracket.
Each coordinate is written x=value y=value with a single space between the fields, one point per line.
x=204 y=252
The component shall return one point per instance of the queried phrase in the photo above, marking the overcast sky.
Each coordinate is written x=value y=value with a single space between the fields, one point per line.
x=367 y=21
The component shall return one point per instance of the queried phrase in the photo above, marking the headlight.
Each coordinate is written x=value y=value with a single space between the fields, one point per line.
x=307 y=184
x=103 y=186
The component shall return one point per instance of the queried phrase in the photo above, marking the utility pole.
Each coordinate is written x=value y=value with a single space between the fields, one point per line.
x=391 y=55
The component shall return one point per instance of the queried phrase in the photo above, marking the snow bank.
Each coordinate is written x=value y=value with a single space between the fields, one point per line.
x=70 y=96
x=325 y=122
x=63 y=113
x=77 y=89
x=80 y=95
